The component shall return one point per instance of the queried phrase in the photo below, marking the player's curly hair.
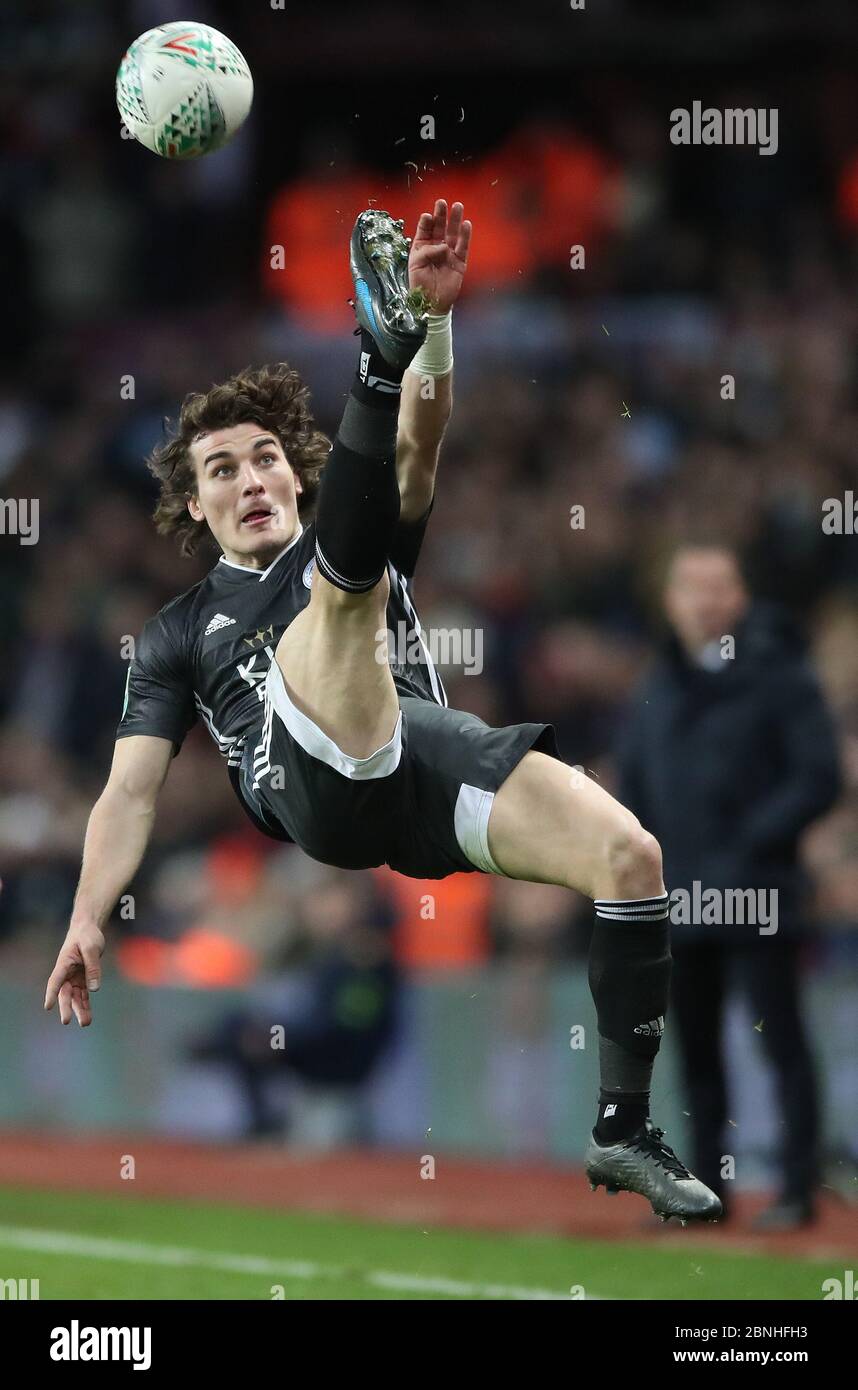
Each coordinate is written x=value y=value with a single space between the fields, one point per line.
x=274 y=397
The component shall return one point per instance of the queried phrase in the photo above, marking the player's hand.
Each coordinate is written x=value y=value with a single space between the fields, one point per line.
x=76 y=973
x=439 y=254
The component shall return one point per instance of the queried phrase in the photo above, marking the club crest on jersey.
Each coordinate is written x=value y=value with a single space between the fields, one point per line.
x=260 y=637
x=307 y=576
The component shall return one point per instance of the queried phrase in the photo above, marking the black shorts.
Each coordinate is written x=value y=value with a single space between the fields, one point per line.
x=421 y=803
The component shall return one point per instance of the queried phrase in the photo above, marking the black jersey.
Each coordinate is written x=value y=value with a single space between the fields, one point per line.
x=206 y=654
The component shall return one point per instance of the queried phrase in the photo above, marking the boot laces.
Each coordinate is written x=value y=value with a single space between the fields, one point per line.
x=651 y=1146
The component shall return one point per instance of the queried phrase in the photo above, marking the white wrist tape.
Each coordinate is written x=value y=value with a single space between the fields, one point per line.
x=435 y=357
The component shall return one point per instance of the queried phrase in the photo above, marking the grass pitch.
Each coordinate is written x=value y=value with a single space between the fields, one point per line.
x=83 y=1246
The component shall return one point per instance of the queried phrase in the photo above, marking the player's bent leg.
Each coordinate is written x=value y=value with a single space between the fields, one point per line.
x=329 y=659
x=328 y=768
x=550 y=823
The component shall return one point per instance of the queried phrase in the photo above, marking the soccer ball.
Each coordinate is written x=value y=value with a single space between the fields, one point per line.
x=183 y=89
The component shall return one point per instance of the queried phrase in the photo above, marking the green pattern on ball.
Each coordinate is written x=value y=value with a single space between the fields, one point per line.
x=129 y=92
x=198 y=125
x=226 y=58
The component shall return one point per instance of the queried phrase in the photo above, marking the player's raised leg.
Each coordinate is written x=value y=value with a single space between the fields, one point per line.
x=551 y=824
x=330 y=654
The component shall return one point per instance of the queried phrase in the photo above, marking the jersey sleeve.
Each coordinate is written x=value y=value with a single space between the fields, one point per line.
x=407 y=541
x=159 y=697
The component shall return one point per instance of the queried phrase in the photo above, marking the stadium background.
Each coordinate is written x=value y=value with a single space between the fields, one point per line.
x=596 y=386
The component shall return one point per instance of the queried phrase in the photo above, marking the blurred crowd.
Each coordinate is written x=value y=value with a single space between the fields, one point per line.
x=700 y=369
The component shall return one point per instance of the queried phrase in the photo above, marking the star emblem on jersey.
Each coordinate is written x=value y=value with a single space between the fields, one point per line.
x=217 y=622
x=260 y=637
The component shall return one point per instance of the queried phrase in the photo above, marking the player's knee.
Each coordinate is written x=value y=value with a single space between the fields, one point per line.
x=633 y=860
x=324 y=594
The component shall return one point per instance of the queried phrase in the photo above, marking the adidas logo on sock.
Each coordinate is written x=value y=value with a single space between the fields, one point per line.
x=653 y=1029
x=218 y=621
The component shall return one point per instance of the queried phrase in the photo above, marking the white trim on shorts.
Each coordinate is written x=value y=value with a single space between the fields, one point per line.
x=471 y=823
x=311 y=738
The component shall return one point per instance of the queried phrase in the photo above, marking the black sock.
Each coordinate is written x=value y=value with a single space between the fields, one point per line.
x=620 y=1115
x=356 y=516
x=358 y=506
x=376 y=382
x=629 y=973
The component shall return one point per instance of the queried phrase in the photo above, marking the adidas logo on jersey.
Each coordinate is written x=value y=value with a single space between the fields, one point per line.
x=653 y=1029
x=218 y=621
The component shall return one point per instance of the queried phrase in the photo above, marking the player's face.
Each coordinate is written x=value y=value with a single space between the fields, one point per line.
x=705 y=597
x=246 y=491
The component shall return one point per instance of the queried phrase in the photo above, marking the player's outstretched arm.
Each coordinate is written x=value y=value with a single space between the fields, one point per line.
x=436 y=265
x=117 y=834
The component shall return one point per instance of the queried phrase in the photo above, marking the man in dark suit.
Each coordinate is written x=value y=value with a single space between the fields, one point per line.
x=728 y=755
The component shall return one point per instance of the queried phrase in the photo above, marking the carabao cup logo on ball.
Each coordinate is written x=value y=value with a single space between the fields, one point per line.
x=183 y=90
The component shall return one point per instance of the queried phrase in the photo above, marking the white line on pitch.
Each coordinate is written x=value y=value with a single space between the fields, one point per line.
x=175 y=1256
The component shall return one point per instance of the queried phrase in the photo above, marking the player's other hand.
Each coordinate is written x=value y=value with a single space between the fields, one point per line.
x=439 y=254
x=76 y=973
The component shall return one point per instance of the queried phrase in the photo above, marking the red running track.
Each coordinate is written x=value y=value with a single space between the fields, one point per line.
x=387 y=1187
